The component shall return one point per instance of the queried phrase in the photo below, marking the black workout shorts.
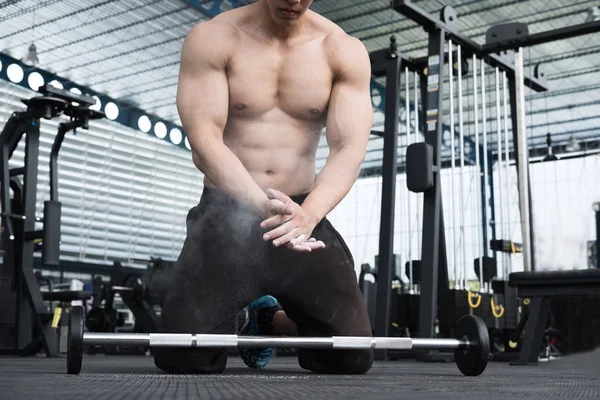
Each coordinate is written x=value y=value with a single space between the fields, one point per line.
x=225 y=264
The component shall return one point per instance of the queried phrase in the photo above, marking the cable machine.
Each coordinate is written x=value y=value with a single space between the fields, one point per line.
x=26 y=323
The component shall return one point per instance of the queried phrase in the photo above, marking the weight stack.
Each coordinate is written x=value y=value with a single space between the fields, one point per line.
x=455 y=303
x=405 y=314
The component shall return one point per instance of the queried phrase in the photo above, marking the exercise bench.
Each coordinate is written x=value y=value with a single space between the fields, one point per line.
x=540 y=286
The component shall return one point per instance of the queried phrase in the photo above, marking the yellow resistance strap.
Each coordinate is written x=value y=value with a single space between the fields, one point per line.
x=497 y=310
x=56 y=318
x=471 y=296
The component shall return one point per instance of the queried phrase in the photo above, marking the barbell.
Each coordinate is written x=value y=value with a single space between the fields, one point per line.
x=471 y=344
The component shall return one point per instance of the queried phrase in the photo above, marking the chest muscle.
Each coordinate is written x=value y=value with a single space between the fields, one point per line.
x=297 y=82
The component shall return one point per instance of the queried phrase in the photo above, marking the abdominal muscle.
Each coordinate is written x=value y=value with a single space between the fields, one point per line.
x=277 y=154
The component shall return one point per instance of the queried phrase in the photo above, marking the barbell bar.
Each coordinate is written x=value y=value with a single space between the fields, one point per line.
x=122 y=289
x=332 y=342
x=470 y=345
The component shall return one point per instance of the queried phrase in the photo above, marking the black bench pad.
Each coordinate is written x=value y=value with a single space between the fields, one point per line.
x=66 y=295
x=585 y=277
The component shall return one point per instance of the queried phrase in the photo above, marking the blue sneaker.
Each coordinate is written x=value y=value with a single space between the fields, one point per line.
x=257 y=322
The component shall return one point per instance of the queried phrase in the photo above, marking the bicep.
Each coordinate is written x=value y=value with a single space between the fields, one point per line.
x=202 y=91
x=350 y=114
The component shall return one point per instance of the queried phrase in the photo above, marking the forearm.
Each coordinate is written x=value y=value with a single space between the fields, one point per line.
x=334 y=181
x=226 y=172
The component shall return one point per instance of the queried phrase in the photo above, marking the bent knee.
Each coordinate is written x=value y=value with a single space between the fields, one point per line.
x=360 y=363
x=174 y=361
x=349 y=362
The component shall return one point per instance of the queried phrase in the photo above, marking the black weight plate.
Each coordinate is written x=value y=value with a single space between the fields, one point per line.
x=96 y=320
x=75 y=340
x=472 y=361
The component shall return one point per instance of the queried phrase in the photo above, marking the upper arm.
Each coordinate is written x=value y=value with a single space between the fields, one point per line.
x=202 y=91
x=350 y=114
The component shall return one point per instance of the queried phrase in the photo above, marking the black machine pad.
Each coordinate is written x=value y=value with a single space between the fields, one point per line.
x=558 y=278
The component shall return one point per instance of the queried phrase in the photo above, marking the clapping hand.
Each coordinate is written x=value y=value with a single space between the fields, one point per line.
x=291 y=226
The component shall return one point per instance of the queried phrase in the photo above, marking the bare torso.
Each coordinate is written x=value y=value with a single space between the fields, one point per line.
x=278 y=100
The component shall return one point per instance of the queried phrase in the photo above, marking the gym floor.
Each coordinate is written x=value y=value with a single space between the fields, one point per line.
x=135 y=377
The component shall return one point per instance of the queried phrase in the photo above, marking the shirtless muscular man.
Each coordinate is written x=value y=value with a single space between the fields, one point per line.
x=257 y=86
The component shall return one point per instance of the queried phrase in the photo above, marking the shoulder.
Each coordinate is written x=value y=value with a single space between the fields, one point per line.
x=216 y=30
x=344 y=52
x=213 y=39
x=345 y=47
x=349 y=58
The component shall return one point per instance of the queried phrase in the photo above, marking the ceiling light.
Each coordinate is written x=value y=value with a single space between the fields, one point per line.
x=98 y=105
x=176 y=136
x=35 y=80
x=144 y=124
x=160 y=130
x=593 y=14
x=15 y=73
x=57 y=84
x=573 y=145
x=31 y=58
x=111 y=110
